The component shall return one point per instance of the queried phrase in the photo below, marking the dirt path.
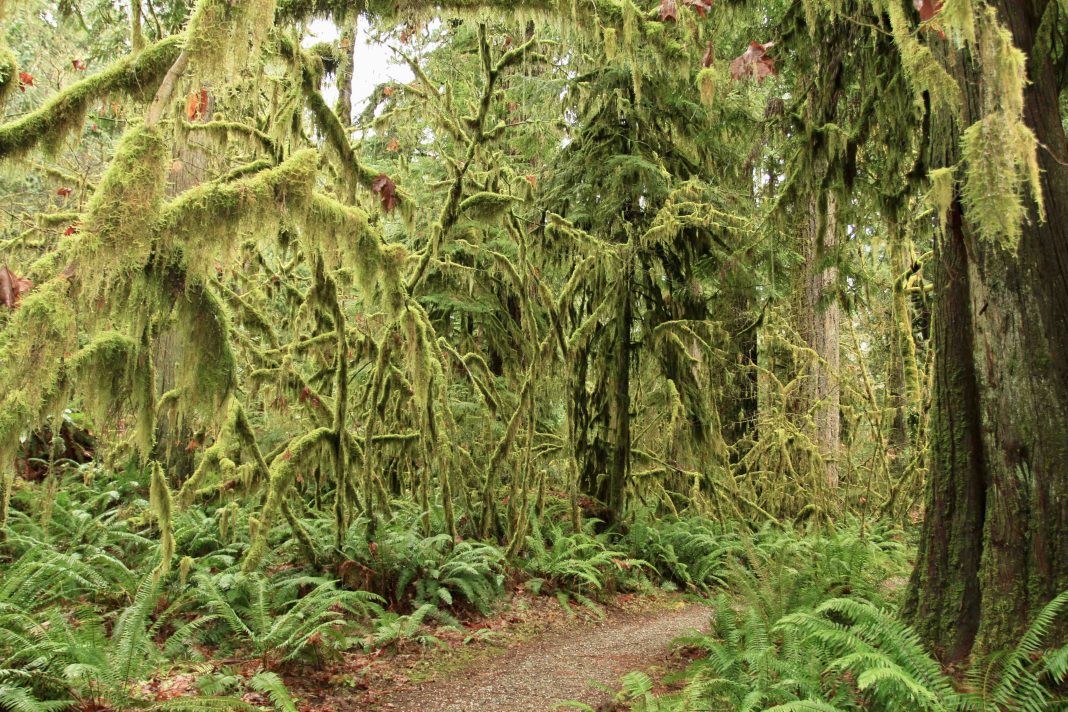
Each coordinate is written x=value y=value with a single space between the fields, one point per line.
x=558 y=665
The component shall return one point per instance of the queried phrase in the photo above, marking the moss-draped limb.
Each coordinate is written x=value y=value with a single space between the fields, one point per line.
x=159 y=502
x=32 y=348
x=283 y=472
x=337 y=137
x=117 y=236
x=210 y=218
x=49 y=124
x=505 y=444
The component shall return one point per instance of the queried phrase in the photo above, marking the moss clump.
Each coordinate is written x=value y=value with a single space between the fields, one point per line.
x=9 y=70
x=49 y=125
x=32 y=349
x=117 y=235
x=212 y=218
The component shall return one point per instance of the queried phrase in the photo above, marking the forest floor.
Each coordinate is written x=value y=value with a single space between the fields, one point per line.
x=530 y=657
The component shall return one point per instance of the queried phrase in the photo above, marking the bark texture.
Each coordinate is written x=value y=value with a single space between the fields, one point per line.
x=820 y=325
x=998 y=491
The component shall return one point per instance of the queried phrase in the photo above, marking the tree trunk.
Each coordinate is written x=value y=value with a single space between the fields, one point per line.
x=819 y=328
x=994 y=547
x=620 y=410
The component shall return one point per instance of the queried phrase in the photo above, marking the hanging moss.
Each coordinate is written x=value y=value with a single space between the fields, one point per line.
x=32 y=349
x=117 y=236
x=206 y=375
x=9 y=71
x=284 y=470
x=924 y=72
x=209 y=222
x=222 y=35
x=137 y=76
x=159 y=502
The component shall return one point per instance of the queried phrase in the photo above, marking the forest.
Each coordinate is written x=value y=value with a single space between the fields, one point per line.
x=355 y=352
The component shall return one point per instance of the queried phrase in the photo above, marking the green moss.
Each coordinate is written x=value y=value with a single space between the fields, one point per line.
x=159 y=501
x=117 y=236
x=212 y=220
x=33 y=347
x=51 y=123
x=9 y=71
x=284 y=470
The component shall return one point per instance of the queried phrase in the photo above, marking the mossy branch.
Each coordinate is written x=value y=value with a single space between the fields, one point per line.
x=137 y=76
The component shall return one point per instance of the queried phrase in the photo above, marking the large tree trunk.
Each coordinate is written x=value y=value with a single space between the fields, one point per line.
x=995 y=544
x=820 y=329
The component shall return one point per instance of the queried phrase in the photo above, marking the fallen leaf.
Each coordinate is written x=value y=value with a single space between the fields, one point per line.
x=79 y=64
x=754 y=63
x=533 y=180
x=388 y=91
x=393 y=146
x=710 y=56
x=12 y=287
x=387 y=191
x=64 y=191
x=668 y=11
x=71 y=229
x=25 y=80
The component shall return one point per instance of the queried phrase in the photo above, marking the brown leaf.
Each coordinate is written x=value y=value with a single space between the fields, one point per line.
x=387 y=191
x=25 y=80
x=394 y=145
x=701 y=7
x=668 y=11
x=533 y=180
x=12 y=287
x=388 y=91
x=196 y=105
x=71 y=229
x=927 y=8
x=710 y=56
x=79 y=64
x=754 y=63
x=64 y=192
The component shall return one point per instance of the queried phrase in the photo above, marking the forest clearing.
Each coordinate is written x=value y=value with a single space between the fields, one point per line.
x=506 y=355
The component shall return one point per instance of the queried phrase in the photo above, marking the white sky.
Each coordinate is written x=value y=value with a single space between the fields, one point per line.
x=374 y=64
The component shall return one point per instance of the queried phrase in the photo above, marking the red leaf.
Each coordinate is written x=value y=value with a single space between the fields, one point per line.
x=79 y=64
x=754 y=63
x=533 y=180
x=710 y=56
x=387 y=190
x=64 y=191
x=12 y=287
x=71 y=229
x=25 y=80
x=701 y=7
x=196 y=105
x=388 y=91
x=668 y=11
x=927 y=8
x=393 y=146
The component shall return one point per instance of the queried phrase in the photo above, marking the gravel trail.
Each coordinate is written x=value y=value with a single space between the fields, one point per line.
x=559 y=665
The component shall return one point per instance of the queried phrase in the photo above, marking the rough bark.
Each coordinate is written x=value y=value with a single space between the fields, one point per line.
x=819 y=321
x=1016 y=471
